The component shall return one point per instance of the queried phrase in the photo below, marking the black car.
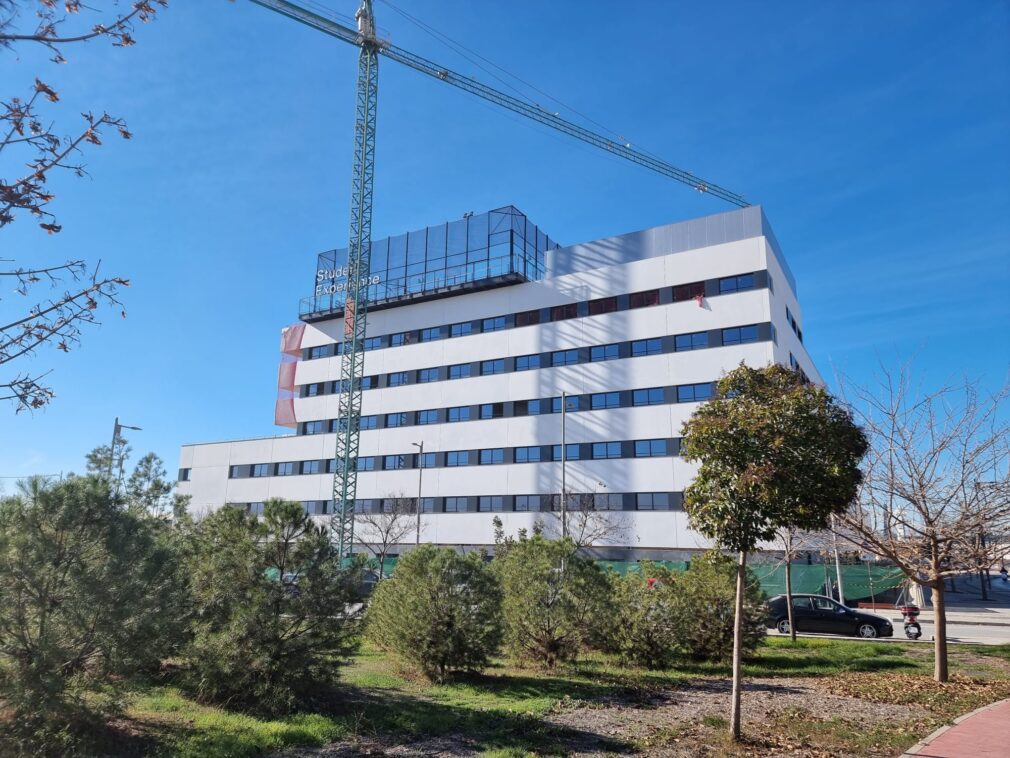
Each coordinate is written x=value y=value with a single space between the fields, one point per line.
x=820 y=614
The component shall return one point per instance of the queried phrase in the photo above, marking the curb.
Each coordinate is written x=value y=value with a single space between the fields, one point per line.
x=924 y=742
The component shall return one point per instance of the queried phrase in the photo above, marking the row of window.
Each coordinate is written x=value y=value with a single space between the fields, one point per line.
x=600 y=501
x=492 y=456
x=794 y=324
x=681 y=393
x=737 y=335
x=614 y=303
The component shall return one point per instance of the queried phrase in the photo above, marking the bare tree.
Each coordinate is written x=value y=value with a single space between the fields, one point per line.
x=934 y=480
x=379 y=531
x=32 y=150
x=590 y=525
x=795 y=542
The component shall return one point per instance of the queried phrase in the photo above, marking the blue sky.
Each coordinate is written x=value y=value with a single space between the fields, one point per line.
x=875 y=135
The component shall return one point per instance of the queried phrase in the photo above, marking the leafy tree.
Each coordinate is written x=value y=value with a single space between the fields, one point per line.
x=88 y=590
x=273 y=619
x=644 y=626
x=440 y=611
x=32 y=152
x=551 y=597
x=97 y=461
x=702 y=609
x=775 y=452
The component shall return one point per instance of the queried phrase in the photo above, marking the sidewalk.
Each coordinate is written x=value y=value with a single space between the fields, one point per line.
x=966 y=605
x=979 y=734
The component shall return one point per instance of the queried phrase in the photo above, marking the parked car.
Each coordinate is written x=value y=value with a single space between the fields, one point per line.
x=821 y=614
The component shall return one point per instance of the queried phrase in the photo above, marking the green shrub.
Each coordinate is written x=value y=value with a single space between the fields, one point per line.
x=89 y=594
x=703 y=609
x=273 y=620
x=552 y=597
x=645 y=630
x=439 y=611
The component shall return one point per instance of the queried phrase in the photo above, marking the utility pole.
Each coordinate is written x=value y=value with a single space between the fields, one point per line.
x=420 y=471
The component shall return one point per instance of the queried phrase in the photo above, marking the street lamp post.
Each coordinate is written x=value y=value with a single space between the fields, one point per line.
x=420 y=472
x=116 y=429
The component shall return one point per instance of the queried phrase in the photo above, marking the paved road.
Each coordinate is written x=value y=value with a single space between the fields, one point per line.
x=975 y=634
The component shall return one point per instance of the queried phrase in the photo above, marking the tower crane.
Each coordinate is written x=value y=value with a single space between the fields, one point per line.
x=360 y=229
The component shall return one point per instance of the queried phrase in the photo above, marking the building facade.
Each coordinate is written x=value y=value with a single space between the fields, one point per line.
x=479 y=332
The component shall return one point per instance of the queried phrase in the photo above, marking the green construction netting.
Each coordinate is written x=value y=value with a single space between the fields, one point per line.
x=860 y=581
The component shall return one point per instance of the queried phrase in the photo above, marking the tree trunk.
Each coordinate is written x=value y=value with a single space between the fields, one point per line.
x=789 y=599
x=734 y=719
x=939 y=634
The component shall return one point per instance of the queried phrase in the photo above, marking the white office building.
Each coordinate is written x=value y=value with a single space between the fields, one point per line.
x=477 y=329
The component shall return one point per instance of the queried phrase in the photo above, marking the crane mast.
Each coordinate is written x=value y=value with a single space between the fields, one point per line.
x=345 y=477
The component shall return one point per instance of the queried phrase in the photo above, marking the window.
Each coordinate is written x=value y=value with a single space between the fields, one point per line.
x=571 y=403
x=427 y=417
x=260 y=469
x=653 y=501
x=603 y=305
x=801 y=604
x=565 y=357
x=527 y=362
x=561 y=312
x=426 y=375
x=312 y=467
x=311 y=390
x=391 y=462
x=527 y=454
x=397 y=379
x=461 y=330
x=571 y=452
x=644 y=299
x=496 y=366
x=431 y=334
x=693 y=341
x=396 y=419
x=775 y=334
x=426 y=460
x=455 y=505
x=608 y=501
x=331 y=465
x=646 y=347
x=285 y=469
x=526 y=408
x=460 y=371
x=460 y=413
x=493 y=324
x=527 y=318
x=313 y=427
x=368 y=422
x=457 y=458
x=650 y=448
x=315 y=507
x=366 y=464
x=602 y=400
x=793 y=363
x=322 y=351
x=368 y=382
x=694 y=393
x=739 y=335
x=403 y=338
x=184 y=474
x=256 y=508
x=603 y=450
x=736 y=283
x=604 y=353
x=492 y=410
x=527 y=502
x=427 y=505
x=651 y=396
x=799 y=333
x=372 y=343
x=491 y=504
x=688 y=291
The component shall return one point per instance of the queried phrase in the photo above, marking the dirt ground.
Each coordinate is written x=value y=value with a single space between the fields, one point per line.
x=688 y=722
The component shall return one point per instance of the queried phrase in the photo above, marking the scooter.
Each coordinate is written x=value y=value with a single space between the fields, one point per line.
x=910 y=615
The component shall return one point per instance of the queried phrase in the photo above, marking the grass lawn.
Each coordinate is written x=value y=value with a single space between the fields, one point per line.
x=509 y=711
